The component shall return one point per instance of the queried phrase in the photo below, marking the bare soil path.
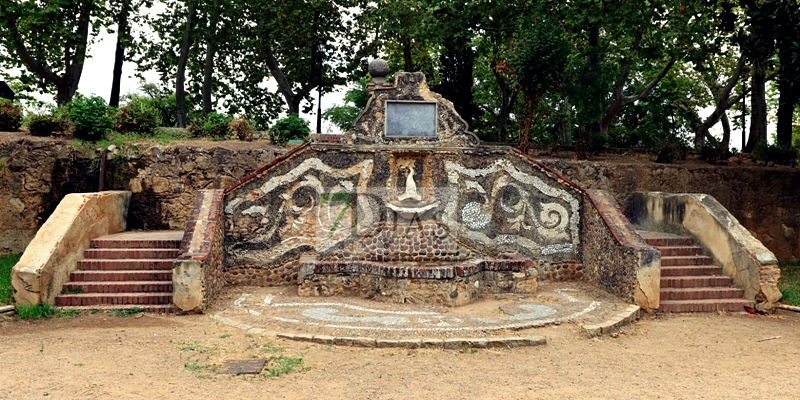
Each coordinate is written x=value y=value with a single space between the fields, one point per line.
x=677 y=356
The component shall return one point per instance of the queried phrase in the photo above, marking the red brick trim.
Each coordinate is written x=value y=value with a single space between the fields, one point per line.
x=619 y=226
x=294 y=152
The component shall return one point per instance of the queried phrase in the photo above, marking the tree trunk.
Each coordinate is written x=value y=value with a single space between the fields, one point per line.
x=294 y=104
x=788 y=95
x=564 y=126
x=594 y=65
x=208 y=76
x=457 y=62
x=524 y=143
x=508 y=98
x=407 y=58
x=726 y=132
x=119 y=57
x=758 y=110
x=180 y=90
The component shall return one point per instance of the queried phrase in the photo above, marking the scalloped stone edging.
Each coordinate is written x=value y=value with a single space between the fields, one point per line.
x=419 y=343
x=626 y=317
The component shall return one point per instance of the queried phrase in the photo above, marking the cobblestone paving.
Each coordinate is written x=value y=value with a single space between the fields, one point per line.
x=279 y=310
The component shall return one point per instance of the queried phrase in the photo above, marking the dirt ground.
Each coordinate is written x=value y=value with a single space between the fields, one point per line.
x=676 y=356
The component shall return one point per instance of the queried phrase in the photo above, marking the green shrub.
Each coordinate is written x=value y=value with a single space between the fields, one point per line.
x=214 y=125
x=291 y=127
x=242 y=129
x=7 y=262
x=50 y=123
x=90 y=116
x=775 y=153
x=10 y=116
x=789 y=283
x=138 y=116
x=668 y=149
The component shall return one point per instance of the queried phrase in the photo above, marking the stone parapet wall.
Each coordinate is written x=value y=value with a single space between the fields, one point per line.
x=744 y=258
x=615 y=257
x=762 y=199
x=197 y=275
x=55 y=250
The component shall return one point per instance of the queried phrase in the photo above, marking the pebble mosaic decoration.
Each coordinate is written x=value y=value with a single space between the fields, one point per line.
x=563 y=305
x=435 y=219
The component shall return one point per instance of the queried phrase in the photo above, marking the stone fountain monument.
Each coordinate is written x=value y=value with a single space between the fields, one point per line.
x=409 y=207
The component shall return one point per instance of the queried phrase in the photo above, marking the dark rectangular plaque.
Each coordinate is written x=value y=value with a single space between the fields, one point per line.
x=410 y=118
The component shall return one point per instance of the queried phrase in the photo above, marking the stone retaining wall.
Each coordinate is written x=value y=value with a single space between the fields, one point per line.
x=763 y=199
x=36 y=173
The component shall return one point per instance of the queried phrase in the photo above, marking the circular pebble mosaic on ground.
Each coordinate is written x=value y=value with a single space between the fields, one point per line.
x=276 y=309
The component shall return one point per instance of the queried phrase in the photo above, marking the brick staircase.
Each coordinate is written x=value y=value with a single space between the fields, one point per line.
x=123 y=271
x=690 y=282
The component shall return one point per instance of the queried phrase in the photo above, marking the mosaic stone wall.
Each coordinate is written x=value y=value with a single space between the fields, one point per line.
x=354 y=205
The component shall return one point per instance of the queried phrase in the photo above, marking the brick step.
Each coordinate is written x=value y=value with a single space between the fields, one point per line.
x=93 y=299
x=671 y=251
x=687 y=260
x=116 y=254
x=678 y=306
x=151 y=308
x=691 y=270
x=705 y=293
x=695 y=281
x=107 y=276
x=669 y=241
x=134 y=244
x=125 y=264
x=121 y=287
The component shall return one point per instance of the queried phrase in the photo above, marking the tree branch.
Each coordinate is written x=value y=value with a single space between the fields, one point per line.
x=283 y=84
x=645 y=90
x=26 y=57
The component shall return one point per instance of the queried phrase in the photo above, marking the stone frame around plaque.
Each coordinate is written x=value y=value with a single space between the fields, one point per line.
x=433 y=136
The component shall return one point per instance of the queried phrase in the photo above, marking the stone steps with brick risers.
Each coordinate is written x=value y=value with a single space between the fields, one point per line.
x=690 y=282
x=123 y=271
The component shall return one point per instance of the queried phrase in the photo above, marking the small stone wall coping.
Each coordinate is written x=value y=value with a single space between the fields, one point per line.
x=197 y=274
x=58 y=245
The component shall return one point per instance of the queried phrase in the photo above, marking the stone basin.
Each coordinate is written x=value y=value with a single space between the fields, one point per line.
x=447 y=284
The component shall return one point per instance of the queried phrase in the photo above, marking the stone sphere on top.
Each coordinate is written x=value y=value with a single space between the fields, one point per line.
x=378 y=69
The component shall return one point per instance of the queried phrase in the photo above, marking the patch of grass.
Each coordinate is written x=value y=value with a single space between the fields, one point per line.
x=7 y=261
x=225 y=336
x=94 y=311
x=282 y=365
x=128 y=312
x=196 y=346
x=44 y=311
x=161 y=136
x=195 y=367
x=270 y=348
x=790 y=282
